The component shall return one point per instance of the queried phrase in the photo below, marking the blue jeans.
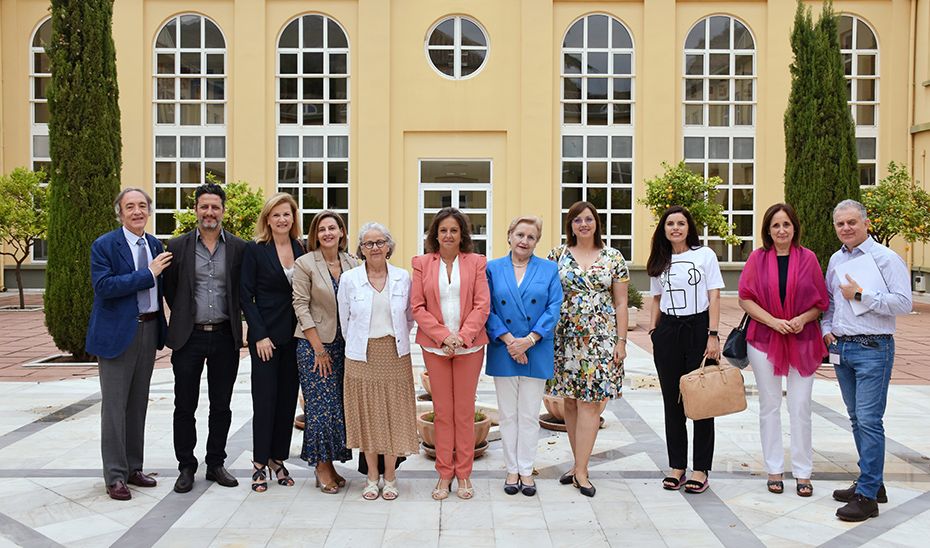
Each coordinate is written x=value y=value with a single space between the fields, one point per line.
x=864 y=372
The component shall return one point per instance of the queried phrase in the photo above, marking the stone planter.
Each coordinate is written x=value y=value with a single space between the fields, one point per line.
x=424 y=382
x=631 y=318
x=554 y=418
x=427 y=431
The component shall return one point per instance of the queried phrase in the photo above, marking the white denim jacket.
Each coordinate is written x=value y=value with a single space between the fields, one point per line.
x=354 y=299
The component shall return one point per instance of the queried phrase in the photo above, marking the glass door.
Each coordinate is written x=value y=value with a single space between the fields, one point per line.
x=463 y=184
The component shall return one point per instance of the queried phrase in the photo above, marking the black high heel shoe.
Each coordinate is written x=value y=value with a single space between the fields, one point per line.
x=286 y=480
x=259 y=483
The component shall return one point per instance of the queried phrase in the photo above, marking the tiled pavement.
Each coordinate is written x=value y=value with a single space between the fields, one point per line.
x=53 y=494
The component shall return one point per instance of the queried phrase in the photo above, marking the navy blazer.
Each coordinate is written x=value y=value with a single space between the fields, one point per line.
x=113 y=274
x=534 y=306
x=266 y=295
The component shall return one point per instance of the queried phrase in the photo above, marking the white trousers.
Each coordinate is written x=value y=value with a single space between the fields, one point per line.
x=799 y=411
x=518 y=399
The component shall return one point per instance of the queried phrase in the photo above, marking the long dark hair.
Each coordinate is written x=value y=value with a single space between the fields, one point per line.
x=660 y=256
x=432 y=235
x=570 y=239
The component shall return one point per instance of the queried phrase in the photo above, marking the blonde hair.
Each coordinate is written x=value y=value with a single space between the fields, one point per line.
x=263 y=231
x=530 y=220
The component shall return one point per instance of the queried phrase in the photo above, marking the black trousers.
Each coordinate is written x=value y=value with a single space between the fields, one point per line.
x=274 y=401
x=678 y=347
x=218 y=350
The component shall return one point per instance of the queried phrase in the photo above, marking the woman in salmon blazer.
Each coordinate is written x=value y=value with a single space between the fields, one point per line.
x=451 y=302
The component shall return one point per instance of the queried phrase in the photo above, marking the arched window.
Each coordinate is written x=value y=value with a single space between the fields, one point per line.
x=597 y=73
x=859 y=48
x=40 y=76
x=313 y=115
x=719 y=92
x=189 y=111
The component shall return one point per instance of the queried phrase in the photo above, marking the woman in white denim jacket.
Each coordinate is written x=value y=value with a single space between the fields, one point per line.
x=376 y=318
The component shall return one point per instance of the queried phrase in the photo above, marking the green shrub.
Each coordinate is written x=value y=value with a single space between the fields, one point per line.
x=243 y=206
x=896 y=206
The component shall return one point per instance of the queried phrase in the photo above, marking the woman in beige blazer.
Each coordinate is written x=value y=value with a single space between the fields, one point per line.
x=321 y=348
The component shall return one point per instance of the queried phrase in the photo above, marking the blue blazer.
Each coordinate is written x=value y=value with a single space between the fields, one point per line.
x=114 y=316
x=533 y=306
x=265 y=295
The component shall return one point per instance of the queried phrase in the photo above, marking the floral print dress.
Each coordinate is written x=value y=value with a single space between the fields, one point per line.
x=587 y=331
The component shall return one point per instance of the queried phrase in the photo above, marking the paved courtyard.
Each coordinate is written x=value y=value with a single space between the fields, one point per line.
x=53 y=493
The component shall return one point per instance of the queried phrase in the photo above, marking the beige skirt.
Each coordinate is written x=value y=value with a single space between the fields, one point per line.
x=380 y=405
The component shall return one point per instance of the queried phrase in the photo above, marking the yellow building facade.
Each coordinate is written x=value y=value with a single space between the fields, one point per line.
x=390 y=109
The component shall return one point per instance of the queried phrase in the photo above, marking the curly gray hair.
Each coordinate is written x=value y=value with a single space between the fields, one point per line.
x=378 y=227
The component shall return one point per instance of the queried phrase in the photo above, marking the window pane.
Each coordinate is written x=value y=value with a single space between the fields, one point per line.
x=865 y=148
x=337 y=147
x=164 y=63
x=572 y=172
x=313 y=31
x=213 y=38
x=719 y=170
x=335 y=38
x=575 y=35
x=866 y=174
x=718 y=90
x=287 y=63
x=215 y=63
x=597 y=147
x=166 y=37
x=443 y=34
x=473 y=199
x=40 y=146
x=865 y=90
x=313 y=147
x=472 y=60
x=694 y=64
x=743 y=115
x=597 y=88
x=742 y=148
x=720 y=63
x=572 y=146
x=571 y=88
x=190 y=63
x=742 y=39
x=190 y=115
x=215 y=147
x=864 y=37
x=597 y=31
x=598 y=197
x=742 y=174
x=289 y=35
x=694 y=115
x=190 y=31
x=313 y=174
x=190 y=147
x=42 y=63
x=570 y=195
x=313 y=63
x=718 y=148
x=718 y=115
x=597 y=114
x=694 y=89
x=571 y=113
x=597 y=63
x=165 y=173
x=216 y=114
x=288 y=147
x=865 y=115
x=190 y=173
x=743 y=65
x=572 y=63
x=694 y=148
x=743 y=90
x=622 y=147
x=337 y=173
x=620 y=37
x=338 y=88
x=190 y=88
x=695 y=38
x=164 y=114
x=719 y=32
x=339 y=113
x=338 y=63
x=597 y=173
x=866 y=65
x=313 y=199
x=164 y=88
x=443 y=60
x=217 y=169
x=41 y=87
x=742 y=199
x=43 y=36
x=621 y=173
x=621 y=198
x=287 y=113
x=622 y=89
x=621 y=224
x=287 y=173
x=312 y=115
x=216 y=89
x=623 y=114
x=338 y=198
x=166 y=198
x=472 y=35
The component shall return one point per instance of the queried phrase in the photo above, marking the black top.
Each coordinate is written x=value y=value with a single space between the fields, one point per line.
x=782 y=276
x=265 y=294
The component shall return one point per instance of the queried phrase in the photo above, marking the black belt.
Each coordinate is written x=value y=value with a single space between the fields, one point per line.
x=147 y=317
x=863 y=338
x=210 y=326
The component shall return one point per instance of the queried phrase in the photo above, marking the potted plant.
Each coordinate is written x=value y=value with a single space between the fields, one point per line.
x=634 y=302
x=427 y=431
x=424 y=382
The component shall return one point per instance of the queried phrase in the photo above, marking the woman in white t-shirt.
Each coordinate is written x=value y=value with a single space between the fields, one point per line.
x=685 y=284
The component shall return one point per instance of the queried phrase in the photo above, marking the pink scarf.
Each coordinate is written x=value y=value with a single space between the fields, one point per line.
x=805 y=290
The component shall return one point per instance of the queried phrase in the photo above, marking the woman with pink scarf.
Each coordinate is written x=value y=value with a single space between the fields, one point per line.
x=782 y=289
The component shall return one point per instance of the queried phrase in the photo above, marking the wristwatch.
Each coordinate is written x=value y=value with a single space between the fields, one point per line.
x=858 y=296
x=712 y=333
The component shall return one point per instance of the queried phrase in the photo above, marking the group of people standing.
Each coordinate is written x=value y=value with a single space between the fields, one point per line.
x=336 y=326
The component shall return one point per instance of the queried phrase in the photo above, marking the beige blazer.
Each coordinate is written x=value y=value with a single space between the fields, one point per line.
x=314 y=298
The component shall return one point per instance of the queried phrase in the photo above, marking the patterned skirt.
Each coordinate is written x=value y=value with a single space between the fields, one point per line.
x=325 y=430
x=380 y=406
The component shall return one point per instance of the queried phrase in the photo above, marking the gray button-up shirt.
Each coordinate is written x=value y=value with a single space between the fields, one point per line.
x=210 y=282
x=840 y=319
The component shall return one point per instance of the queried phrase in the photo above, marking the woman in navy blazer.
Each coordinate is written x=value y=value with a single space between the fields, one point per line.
x=266 y=298
x=526 y=296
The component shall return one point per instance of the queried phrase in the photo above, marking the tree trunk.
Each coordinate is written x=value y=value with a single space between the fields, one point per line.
x=19 y=283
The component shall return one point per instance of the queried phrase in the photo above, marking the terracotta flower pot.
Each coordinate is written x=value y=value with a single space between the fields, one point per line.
x=427 y=429
x=555 y=406
x=424 y=382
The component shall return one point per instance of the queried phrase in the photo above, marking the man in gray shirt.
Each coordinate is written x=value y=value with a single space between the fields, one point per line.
x=862 y=350
x=202 y=291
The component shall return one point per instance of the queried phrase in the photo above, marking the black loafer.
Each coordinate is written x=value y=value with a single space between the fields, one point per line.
x=220 y=475
x=848 y=494
x=185 y=481
x=858 y=509
x=512 y=488
x=529 y=490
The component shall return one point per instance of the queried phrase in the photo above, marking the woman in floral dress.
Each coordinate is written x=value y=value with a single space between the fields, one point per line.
x=590 y=340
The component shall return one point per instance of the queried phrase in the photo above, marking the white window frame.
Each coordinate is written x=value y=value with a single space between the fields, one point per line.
x=457 y=48
x=325 y=131
x=178 y=131
x=730 y=132
x=863 y=131
x=610 y=130
x=37 y=130
x=455 y=189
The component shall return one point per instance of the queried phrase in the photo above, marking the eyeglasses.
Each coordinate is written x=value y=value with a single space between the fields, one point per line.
x=585 y=221
x=377 y=243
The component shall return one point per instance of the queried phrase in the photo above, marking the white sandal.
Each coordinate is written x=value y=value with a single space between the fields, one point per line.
x=390 y=490
x=371 y=490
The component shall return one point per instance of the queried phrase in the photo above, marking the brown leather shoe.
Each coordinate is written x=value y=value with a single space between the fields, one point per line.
x=119 y=491
x=139 y=479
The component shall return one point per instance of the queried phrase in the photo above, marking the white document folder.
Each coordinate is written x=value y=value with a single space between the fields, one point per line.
x=866 y=273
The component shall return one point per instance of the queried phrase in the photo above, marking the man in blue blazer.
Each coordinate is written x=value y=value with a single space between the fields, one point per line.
x=127 y=325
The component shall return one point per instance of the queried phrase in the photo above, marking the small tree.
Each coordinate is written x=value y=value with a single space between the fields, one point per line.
x=243 y=206
x=85 y=146
x=23 y=217
x=682 y=187
x=897 y=206
x=820 y=137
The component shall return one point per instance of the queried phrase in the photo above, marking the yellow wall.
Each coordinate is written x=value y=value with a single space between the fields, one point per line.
x=401 y=110
x=920 y=129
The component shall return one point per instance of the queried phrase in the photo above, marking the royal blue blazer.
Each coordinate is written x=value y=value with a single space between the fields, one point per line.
x=113 y=274
x=533 y=306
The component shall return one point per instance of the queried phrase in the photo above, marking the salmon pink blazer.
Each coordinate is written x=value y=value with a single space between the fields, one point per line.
x=475 y=298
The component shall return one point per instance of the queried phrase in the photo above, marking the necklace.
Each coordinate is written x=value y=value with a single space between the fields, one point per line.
x=519 y=265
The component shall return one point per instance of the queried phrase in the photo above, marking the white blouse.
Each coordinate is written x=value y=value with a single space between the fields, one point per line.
x=381 y=322
x=451 y=302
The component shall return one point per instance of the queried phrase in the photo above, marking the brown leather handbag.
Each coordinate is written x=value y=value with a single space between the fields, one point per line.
x=712 y=391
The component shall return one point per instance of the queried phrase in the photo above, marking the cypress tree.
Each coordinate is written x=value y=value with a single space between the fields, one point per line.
x=820 y=136
x=84 y=135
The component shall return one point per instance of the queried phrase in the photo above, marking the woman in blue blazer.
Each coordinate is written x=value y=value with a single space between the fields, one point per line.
x=266 y=298
x=526 y=296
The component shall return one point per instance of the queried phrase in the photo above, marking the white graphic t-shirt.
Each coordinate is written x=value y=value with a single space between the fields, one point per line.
x=684 y=285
